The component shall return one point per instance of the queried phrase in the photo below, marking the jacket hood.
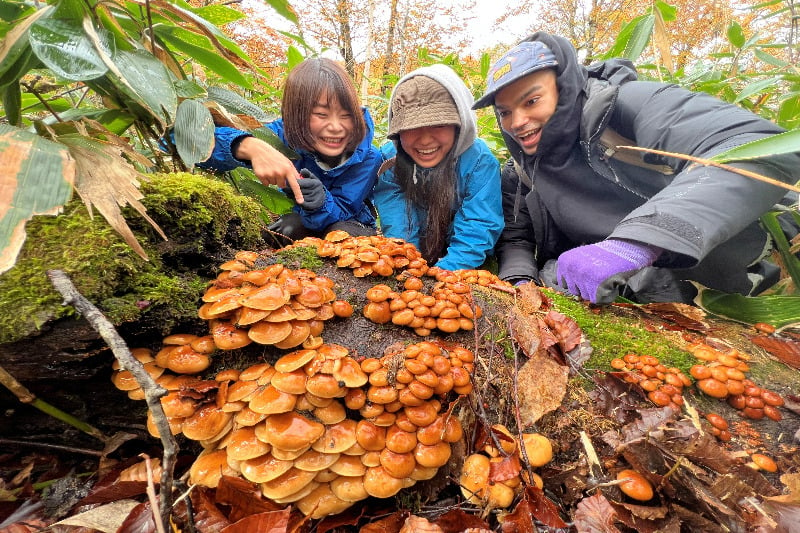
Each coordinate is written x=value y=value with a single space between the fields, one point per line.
x=462 y=97
x=562 y=130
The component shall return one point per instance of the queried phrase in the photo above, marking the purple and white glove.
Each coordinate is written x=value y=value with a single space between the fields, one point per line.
x=595 y=272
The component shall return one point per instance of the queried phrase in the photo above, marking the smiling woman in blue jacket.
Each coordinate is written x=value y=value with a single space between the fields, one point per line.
x=442 y=192
x=323 y=122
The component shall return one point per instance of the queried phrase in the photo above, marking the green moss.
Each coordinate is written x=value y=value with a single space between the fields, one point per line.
x=613 y=334
x=300 y=257
x=196 y=213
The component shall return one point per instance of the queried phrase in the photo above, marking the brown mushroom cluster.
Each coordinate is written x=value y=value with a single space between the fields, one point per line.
x=724 y=376
x=319 y=429
x=367 y=255
x=664 y=386
x=449 y=307
x=492 y=477
x=273 y=305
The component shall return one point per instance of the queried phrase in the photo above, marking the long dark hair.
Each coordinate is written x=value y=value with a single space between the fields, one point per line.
x=304 y=86
x=434 y=193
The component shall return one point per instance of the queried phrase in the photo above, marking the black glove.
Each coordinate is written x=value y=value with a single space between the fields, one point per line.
x=313 y=191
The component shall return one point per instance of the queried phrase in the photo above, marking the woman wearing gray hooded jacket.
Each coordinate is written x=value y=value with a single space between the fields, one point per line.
x=440 y=186
x=645 y=226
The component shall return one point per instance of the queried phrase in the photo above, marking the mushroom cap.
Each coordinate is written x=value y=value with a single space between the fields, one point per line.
x=248 y=315
x=226 y=304
x=474 y=478
x=176 y=404
x=242 y=444
x=370 y=436
x=292 y=431
x=300 y=494
x=293 y=382
x=264 y=468
x=325 y=386
x=286 y=455
x=371 y=459
x=282 y=314
x=270 y=401
x=315 y=401
x=299 y=332
x=538 y=449
x=399 y=441
x=378 y=483
x=294 y=360
x=312 y=295
x=399 y=465
x=332 y=413
x=433 y=456
x=314 y=461
x=124 y=380
x=287 y=483
x=209 y=467
x=254 y=372
x=267 y=298
x=348 y=465
x=322 y=502
x=349 y=488
x=241 y=390
x=337 y=437
x=350 y=373
x=423 y=473
x=206 y=423
x=185 y=360
x=178 y=339
x=227 y=336
x=269 y=332
x=248 y=417
x=228 y=374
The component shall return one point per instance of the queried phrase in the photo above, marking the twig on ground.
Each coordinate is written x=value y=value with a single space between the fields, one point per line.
x=153 y=391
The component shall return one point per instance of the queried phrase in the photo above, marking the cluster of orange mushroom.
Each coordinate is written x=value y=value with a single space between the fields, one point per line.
x=723 y=376
x=664 y=386
x=492 y=477
x=367 y=255
x=448 y=308
x=319 y=429
x=272 y=305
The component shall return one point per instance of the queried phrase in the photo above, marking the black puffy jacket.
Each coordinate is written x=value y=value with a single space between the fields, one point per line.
x=704 y=217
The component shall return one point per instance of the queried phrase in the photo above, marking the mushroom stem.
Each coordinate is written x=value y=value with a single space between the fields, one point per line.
x=153 y=392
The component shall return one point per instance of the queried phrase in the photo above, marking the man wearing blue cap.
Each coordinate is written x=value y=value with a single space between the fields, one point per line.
x=598 y=222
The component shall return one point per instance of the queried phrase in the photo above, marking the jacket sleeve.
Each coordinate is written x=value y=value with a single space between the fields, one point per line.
x=392 y=205
x=703 y=206
x=221 y=159
x=346 y=193
x=517 y=244
x=479 y=220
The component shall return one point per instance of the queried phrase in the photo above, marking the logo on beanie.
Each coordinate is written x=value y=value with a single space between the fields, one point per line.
x=502 y=71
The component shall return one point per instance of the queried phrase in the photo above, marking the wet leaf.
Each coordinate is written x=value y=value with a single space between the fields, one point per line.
x=785 y=349
x=456 y=520
x=107 y=518
x=507 y=468
x=37 y=179
x=534 y=504
x=542 y=384
x=684 y=315
x=269 y=522
x=595 y=515
x=524 y=329
x=243 y=497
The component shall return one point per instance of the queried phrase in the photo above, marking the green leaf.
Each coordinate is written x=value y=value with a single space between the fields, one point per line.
x=293 y=57
x=757 y=87
x=789 y=111
x=194 y=132
x=736 y=34
x=189 y=89
x=116 y=121
x=790 y=261
x=780 y=143
x=284 y=9
x=270 y=196
x=219 y=15
x=65 y=49
x=15 y=43
x=200 y=49
x=269 y=137
x=12 y=103
x=779 y=310
x=669 y=13
x=237 y=104
x=37 y=179
x=770 y=59
x=639 y=37
x=145 y=79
